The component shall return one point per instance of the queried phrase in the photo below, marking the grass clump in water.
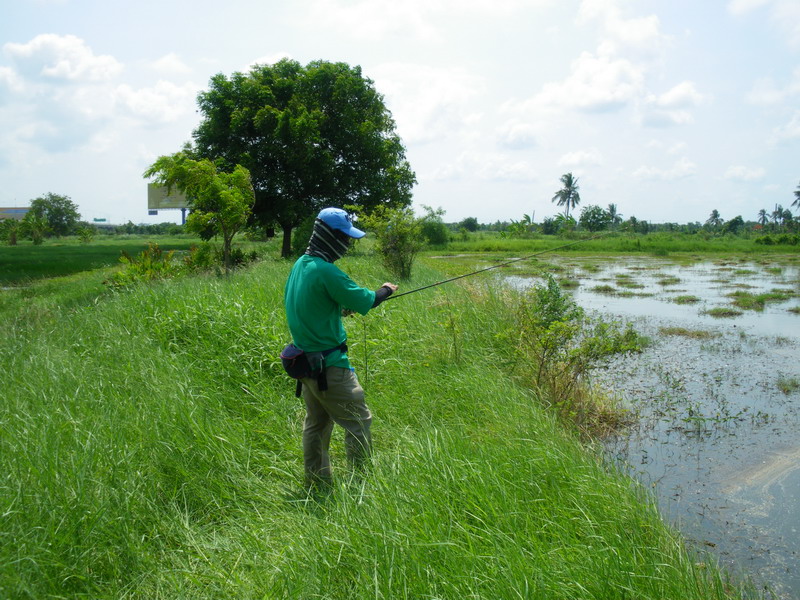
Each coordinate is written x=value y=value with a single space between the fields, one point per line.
x=604 y=289
x=788 y=385
x=668 y=280
x=696 y=334
x=749 y=301
x=722 y=312
x=686 y=299
x=569 y=283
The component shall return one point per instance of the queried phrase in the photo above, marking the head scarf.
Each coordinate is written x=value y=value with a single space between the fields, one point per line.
x=326 y=242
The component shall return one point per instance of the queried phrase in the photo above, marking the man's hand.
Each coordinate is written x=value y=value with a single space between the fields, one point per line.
x=391 y=286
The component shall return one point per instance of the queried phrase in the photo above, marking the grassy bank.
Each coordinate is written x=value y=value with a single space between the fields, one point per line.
x=150 y=448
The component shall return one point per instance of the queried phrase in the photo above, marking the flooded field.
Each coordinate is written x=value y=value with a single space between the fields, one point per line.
x=717 y=399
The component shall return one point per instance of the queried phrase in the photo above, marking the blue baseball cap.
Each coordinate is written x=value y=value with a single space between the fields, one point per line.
x=338 y=219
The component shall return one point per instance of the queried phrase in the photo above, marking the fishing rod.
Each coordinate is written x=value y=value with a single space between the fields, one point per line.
x=394 y=296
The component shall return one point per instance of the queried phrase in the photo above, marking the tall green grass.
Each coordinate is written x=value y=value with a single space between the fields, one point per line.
x=65 y=256
x=150 y=448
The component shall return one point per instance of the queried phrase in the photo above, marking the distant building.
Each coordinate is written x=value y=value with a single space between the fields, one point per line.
x=14 y=213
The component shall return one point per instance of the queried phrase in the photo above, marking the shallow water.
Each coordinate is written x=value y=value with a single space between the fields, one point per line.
x=715 y=438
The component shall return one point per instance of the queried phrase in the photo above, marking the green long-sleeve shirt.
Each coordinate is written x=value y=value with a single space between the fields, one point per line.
x=315 y=294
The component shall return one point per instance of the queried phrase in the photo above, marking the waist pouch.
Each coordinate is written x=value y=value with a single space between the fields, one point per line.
x=299 y=364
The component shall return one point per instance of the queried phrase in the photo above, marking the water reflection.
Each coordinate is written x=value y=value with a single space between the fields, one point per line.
x=716 y=439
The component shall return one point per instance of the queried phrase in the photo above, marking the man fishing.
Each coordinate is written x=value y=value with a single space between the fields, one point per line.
x=317 y=292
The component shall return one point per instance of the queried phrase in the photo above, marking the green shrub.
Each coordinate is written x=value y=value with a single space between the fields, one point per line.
x=398 y=236
x=151 y=264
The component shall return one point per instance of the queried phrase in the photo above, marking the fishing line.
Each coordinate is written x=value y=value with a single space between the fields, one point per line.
x=425 y=287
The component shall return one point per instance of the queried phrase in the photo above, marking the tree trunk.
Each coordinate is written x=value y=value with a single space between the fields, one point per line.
x=226 y=253
x=286 y=248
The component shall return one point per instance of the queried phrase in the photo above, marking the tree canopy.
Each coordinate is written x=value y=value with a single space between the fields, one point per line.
x=594 y=218
x=311 y=137
x=59 y=212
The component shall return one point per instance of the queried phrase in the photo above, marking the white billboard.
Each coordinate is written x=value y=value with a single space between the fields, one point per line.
x=158 y=199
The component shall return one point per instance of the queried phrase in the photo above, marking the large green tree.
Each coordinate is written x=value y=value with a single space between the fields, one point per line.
x=311 y=136
x=60 y=212
x=568 y=195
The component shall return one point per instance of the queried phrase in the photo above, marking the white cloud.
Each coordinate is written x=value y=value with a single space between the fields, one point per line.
x=171 y=64
x=581 y=158
x=428 y=103
x=740 y=7
x=486 y=167
x=517 y=135
x=790 y=130
x=681 y=169
x=163 y=103
x=62 y=58
x=596 y=83
x=671 y=107
x=640 y=34
x=766 y=93
x=10 y=83
x=784 y=13
x=681 y=96
x=743 y=173
x=421 y=20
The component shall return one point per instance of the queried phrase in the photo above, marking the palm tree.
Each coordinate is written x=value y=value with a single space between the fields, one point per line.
x=613 y=215
x=714 y=220
x=777 y=216
x=797 y=197
x=763 y=219
x=568 y=195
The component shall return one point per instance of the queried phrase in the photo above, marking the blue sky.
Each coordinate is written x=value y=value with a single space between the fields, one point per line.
x=667 y=109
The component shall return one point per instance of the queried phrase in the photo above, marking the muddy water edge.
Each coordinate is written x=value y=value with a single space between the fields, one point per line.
x=716 y=397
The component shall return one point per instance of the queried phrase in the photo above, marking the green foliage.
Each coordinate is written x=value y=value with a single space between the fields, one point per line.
x=130 y=228
x=59 y=212
x=151 y=264
x=433 y=228
x=470 y=224
x=549 y=226
x=10 y=230
x=520 y=228
x=594 y=218
x=202 y=258
x=311 y=136
x=86 y=234
x=561 y=346
x=302 y=234
x=220 y=202
x=734 y=226
x=398 y=236
x=35 y=226
x=783 y=239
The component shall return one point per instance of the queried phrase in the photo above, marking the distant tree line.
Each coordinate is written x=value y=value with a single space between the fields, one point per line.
x=594 y=218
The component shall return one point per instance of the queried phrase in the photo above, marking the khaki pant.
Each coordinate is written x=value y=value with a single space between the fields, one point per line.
x=342 y=403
